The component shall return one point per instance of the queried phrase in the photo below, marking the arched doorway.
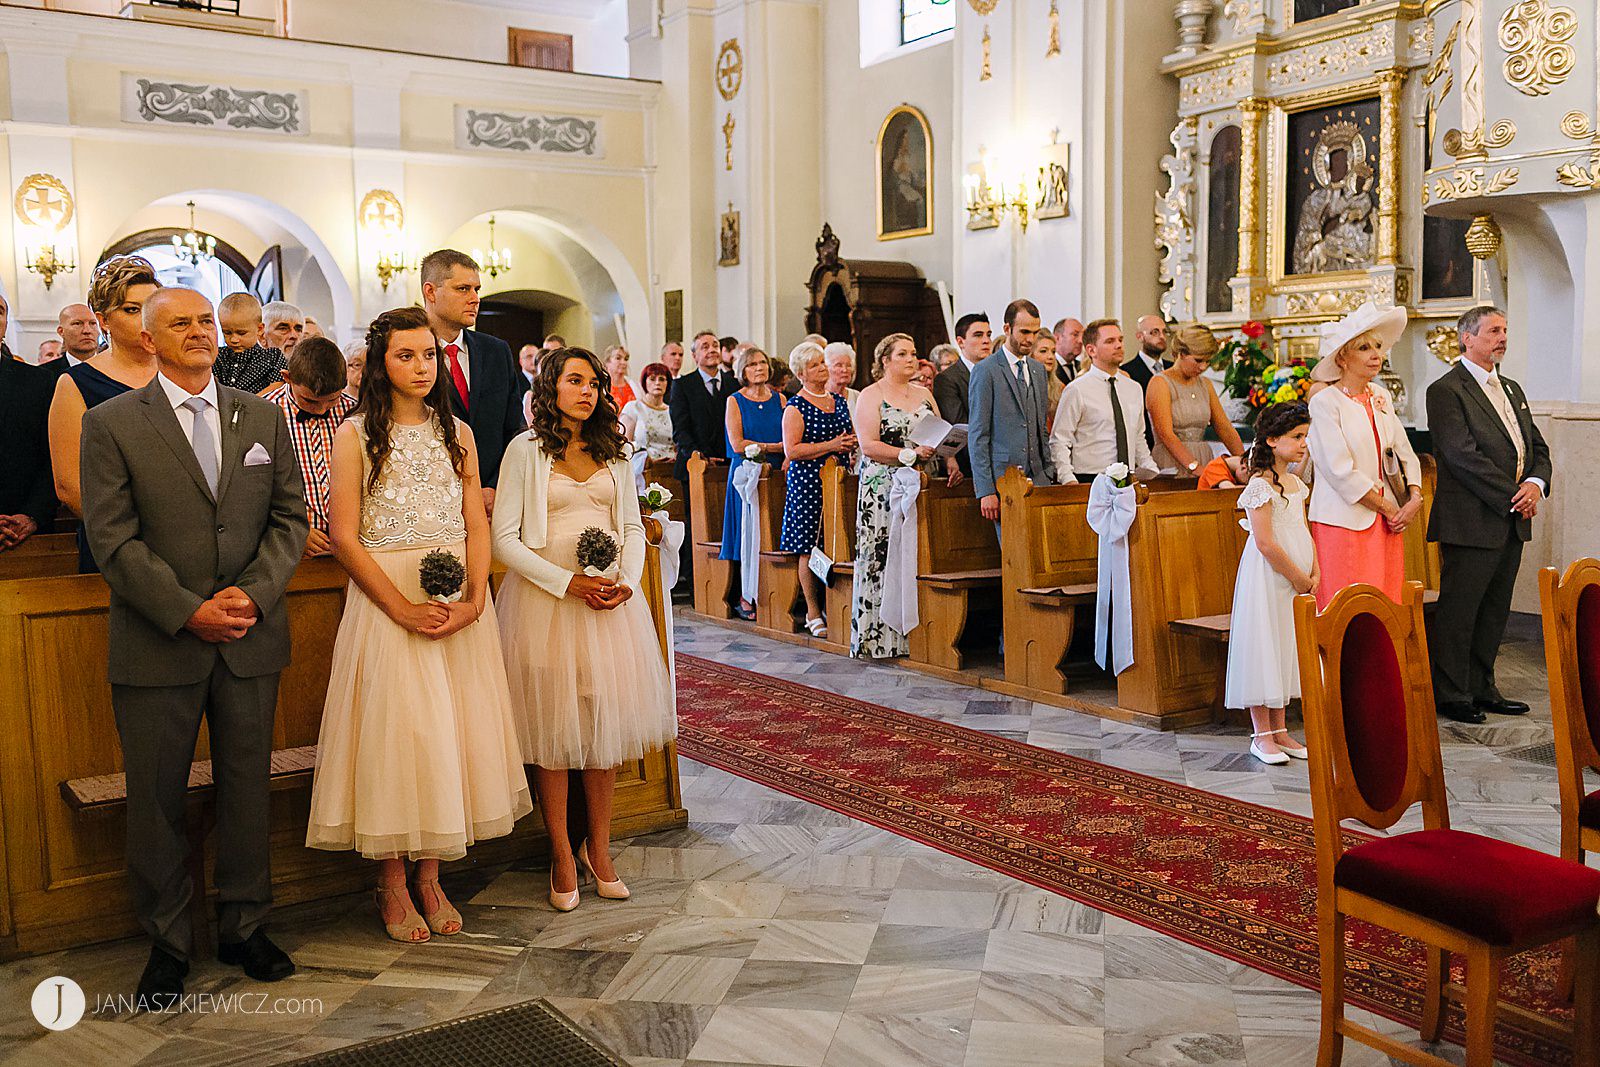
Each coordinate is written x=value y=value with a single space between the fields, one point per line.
x=226 y=271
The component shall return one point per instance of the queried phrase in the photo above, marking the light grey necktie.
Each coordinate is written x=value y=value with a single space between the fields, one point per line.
x=205 y=445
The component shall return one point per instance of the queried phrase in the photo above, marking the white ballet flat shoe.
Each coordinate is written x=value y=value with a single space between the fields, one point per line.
x=1275 y=759
x=1292 y=753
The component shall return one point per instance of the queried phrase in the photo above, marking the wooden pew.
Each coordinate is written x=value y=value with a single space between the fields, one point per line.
x=1049 y=569
x=779 y=591
x=50 y=555
x=839 y=498
x=661 y=472
x=62 y=876
x=958 y=564
x=713 y=578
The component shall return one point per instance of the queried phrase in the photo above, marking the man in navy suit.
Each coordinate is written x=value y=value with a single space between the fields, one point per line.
x=699 y=404
x=483 y=374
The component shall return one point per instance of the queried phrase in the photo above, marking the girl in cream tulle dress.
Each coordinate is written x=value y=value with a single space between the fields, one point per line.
x=1279 y=562
x=588 y=677
x=417 y=757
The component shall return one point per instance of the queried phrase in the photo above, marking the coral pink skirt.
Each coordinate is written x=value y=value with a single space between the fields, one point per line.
x=1374 y=556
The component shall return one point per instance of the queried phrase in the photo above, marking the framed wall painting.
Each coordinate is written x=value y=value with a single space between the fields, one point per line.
x=1222 y=219
x=904 y=175
x=1446 y=263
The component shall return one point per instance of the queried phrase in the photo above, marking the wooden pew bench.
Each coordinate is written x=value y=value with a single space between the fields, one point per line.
x=49 y=555
x=713 y=579
x=958 y=568
x=780 y=606
x=838 y=540
x=291 y=768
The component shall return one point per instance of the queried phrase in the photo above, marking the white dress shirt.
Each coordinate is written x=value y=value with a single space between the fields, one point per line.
x=971 y=366
x=1013 y=362
x=460 y=341
x=1501 y=402
x=178 y=396
x=1083 y=439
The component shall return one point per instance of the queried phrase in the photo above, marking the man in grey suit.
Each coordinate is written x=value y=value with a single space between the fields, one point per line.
x=951 y=384
x=1494 y=468
x=195 y=512
x=1007 y=407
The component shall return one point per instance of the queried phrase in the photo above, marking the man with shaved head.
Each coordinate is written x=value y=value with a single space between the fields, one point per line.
x=195 y=513
x=1150 y=360
x=79 y=331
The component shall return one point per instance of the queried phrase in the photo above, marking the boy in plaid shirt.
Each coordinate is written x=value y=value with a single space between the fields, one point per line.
x=314 y=402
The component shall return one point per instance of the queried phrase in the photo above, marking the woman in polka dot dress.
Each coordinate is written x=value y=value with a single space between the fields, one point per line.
x=816 y=425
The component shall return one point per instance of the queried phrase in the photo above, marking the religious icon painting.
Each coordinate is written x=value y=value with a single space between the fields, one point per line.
x=1331 y=195
x=1446 y=263
x=1305 y=10
x=1222 y=219
x=1053 y=181
x=904 y=175
x=728 y=239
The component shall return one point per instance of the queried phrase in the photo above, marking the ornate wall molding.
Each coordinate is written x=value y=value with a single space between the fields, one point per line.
x=1219 y=85
x=1175 y=212
x=1251 y=112
x=1535 y=36
x=1470 y=139
x=1356 y=54
x=1474 y=181
x=150 y=100
x=555 y=135
x=1390 y=83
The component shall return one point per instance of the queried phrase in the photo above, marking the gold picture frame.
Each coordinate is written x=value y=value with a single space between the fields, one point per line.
x=903 y=174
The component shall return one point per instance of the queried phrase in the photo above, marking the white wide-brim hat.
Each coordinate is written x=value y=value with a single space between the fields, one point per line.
x=1387 y=323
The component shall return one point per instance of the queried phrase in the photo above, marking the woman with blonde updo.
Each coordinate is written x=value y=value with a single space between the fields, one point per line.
x=1182 y=403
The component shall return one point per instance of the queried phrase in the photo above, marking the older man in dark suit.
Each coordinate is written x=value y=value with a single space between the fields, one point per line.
x=483 y=374
x=973 y=337
x=699 y=405
x=1494 y=469
x=27 y=490
x=194 y=510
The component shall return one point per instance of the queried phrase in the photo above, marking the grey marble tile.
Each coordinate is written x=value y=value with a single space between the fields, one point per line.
x=1040 y=998
x=646 y=1028
x=701 y=935
x=1003 y=1044
x=779 y=1036
x=937 y=907
x=793 y=984
x=674 y=979
x=922 y=991
x=558 y=972
x=1142 y=1005
x=932 y=946
x=897 y=1041
x=1139 y=1049
x=1026 y=952
x=809 y=941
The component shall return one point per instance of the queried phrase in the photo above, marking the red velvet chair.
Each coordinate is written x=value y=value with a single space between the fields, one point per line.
x=1374 y=741
x=1571 y=610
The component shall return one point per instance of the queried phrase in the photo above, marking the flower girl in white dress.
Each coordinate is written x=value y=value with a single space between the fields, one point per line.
x=1279 y=561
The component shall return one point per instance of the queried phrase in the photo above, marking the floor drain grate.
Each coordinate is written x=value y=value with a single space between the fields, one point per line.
x=529 y=1033
x=1544 y=752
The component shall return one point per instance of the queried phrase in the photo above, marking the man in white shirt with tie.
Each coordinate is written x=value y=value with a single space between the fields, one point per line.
x=1494 y=469
x=1100 y=416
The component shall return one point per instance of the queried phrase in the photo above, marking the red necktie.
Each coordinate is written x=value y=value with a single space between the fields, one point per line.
x=457 y=375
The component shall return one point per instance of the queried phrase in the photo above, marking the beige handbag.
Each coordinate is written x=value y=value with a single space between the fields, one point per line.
x=1394 y=476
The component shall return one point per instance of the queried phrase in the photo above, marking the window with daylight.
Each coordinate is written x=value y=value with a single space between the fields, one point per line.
x=920 y=19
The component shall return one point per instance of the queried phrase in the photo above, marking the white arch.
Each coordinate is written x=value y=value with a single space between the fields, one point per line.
x=263 y=217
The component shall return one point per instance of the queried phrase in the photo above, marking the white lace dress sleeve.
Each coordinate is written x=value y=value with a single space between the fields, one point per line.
x=1257 y=494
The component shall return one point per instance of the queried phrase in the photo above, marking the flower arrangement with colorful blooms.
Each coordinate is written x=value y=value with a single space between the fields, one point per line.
x=1252 y=375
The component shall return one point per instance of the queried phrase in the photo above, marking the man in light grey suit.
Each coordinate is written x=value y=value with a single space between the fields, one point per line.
x=195 y=512
x=1006 y=408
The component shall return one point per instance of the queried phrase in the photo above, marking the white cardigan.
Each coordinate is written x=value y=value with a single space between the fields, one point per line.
x=522 y=517
x=1347 y=461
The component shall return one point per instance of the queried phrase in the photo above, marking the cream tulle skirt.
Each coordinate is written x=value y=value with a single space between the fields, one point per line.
x=418 y=754
x=589 y=688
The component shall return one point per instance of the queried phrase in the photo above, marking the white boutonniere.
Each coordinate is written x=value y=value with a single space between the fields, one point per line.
x=907 y=456
x=752 y=451
x=1119 y=474
x=655 y=497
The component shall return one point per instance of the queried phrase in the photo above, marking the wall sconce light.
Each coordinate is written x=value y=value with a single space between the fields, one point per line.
x=983 y=211
x=392 y=263
x=496 y=261
x=47 y=261
x=994 y=189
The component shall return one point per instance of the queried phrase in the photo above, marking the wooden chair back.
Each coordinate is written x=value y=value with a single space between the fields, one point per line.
x=1367 y=697
x=839 y=497
x=1570 y=607
x=1422 y=555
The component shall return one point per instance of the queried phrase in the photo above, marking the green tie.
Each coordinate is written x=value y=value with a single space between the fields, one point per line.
x=1122 y=426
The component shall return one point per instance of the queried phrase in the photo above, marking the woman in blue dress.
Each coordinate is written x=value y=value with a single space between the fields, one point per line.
x=117 y=293
x=755 y=417
x=816 y=425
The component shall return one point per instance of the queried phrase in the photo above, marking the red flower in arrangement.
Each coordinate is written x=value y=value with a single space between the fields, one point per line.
x=1252 y=329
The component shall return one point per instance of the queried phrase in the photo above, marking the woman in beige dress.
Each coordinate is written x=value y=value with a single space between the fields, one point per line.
x=588 y=679
x=1182 y=403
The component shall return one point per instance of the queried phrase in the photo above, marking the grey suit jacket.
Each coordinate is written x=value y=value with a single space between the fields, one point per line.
x=1478 y=462
x=165 y=545
x=1003 y=431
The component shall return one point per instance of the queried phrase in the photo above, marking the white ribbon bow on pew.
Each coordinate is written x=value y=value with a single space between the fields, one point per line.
x=744 y=483
x=672 y=532
x=1111 y=512
x=899 y=607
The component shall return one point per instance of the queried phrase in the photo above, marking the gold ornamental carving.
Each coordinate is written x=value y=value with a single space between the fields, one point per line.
x=1325 y=301
x=1579 y=175
x=1469 y=139
x=1445 y=343
x=1251 y=112
x=727 y=142
x=1053 y=45
x=984 y=7
x=1388 y=230
x=42 y=201
x=730 y=68
x=1471 y=181
x=986 y=71
x=1345 y=55
x=1502 y=133
x=380 y=212
x=1576 y=125
x=1483 y=236
x=1535 y=35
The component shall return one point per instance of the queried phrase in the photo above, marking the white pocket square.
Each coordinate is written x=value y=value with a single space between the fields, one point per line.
x=257 y=456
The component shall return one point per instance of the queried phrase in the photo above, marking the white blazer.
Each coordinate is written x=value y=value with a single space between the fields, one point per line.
x=522 y=517
x=1347 y=461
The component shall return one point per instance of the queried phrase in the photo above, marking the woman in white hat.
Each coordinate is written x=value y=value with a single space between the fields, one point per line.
x=1354 y=434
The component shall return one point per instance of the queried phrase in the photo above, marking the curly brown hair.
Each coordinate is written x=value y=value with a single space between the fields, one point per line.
x=376 y=403
x=602 y=438
x=1275 y=421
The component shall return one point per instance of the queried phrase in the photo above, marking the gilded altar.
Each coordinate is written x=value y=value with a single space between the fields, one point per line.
x=1297 y=173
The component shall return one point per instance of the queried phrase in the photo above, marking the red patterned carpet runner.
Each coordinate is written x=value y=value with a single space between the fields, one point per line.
x=1230 y=877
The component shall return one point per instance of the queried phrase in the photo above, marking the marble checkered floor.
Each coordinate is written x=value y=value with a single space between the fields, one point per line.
x=772 y=931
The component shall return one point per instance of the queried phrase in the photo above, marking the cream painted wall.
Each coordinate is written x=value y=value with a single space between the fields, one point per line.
x=855 y=101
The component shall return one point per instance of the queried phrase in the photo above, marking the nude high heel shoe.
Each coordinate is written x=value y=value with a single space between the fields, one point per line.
x=411 y=929
x=561 y=901
x=608 y=890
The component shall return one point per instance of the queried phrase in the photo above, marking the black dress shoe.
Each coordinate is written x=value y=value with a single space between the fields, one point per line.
x=1462 y=712
x=1501 y=707
x=261 y=959
x=162 y=982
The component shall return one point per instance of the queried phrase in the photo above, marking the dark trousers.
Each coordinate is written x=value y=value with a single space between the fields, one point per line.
x=158 y=726
x=1475 y=586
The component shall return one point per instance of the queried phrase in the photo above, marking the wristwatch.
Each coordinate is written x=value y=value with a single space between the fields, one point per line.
x=1193 y=465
